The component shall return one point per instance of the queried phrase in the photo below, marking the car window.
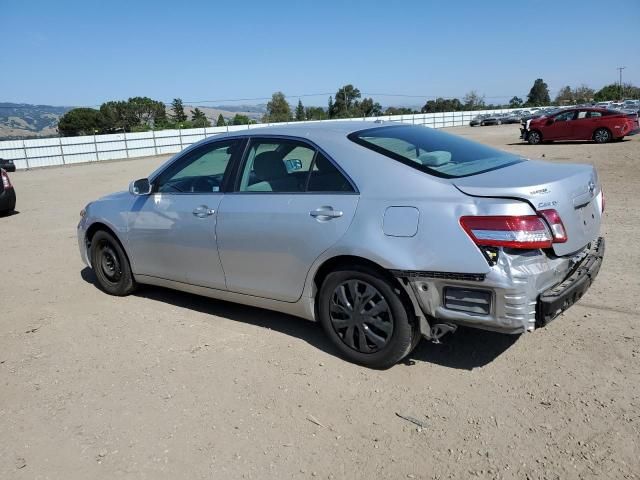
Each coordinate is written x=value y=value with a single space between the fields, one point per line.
x=432 y=151
x=583 y=114
x=199 y=171
x=595 y=114
x=564 y=116
x=276 y=166
x=325 y=177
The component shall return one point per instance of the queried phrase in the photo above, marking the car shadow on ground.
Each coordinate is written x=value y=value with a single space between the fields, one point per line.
x=9 y=214
x=466 y=349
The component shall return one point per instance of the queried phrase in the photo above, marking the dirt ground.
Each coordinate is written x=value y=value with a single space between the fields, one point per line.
x=166 y=385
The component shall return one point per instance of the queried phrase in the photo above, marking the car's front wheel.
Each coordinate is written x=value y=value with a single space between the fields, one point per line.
x=602 y=135
x=111 y=265
x=534 y=137
x=363 y=314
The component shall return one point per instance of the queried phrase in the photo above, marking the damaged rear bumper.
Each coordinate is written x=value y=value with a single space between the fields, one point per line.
x=559 y=298
x=523 y=290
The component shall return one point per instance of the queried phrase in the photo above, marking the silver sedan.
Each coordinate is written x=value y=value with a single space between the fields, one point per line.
x=384 y=233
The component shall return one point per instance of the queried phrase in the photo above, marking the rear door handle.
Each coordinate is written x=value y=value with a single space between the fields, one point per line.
x=325 y=213
x=203 y=211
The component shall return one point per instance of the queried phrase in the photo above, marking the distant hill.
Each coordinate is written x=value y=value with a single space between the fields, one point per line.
x=22 y=120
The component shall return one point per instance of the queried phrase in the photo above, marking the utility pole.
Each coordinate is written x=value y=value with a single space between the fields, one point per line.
x=621 y=87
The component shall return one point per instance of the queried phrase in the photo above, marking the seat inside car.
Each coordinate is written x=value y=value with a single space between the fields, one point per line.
x=272 y=174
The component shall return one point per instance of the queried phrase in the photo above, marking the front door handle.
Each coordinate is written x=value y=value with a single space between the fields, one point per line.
x=203 y=211
x=325 y=213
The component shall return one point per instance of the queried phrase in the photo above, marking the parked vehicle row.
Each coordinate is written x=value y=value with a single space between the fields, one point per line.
x=583 y=123
x=384 y=234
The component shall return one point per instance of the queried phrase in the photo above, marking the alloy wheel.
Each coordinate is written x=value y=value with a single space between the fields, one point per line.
x=602 y=136
x=361 y=316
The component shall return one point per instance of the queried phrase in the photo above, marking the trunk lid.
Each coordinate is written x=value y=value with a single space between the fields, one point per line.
x=573 y=190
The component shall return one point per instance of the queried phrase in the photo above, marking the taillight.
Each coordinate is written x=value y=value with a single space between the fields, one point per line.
x=5 y=179
x=526 y=231
x=555 y=223
x=602 y=206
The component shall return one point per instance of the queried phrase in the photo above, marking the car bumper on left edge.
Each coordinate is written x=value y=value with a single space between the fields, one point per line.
x=7 y=200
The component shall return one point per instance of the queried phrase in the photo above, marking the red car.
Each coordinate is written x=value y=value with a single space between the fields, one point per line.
x=597 y=124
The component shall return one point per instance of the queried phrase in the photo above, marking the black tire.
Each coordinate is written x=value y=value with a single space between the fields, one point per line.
x=111 y=265
x=375 y=341
x=602 y=135
x=534 y=137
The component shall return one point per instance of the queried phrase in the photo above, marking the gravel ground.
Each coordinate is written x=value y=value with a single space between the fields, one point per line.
x=169 y=385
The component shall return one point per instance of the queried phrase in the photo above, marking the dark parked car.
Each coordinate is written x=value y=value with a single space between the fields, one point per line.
x=477 y=121
x=495 y=119
x=7 y=193
x=7 y=165
x=598 y=124
x=511 y=117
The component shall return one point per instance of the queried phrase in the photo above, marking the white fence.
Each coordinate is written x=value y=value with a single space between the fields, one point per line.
x=44 y=152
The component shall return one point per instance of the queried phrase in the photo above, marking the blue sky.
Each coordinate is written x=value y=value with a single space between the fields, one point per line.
x=87 y=52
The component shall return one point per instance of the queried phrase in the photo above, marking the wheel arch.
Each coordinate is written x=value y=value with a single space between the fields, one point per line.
x=96 y=227
x=593 y=134
x=333 y=263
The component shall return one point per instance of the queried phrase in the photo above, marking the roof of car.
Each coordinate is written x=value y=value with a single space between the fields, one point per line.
x=301 y=128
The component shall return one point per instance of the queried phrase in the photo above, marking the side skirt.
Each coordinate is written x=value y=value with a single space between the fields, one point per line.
x=303 y=308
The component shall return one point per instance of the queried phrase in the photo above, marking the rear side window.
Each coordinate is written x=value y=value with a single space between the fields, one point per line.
x=432 y=151
x=325 y=177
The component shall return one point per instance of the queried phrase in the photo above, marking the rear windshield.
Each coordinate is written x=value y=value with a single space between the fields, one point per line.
x=432 y=151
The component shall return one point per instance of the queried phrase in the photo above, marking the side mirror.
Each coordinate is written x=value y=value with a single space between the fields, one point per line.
x=551 y=121
x=140 y=187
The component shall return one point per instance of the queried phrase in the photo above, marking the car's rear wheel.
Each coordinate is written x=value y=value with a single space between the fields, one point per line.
x=363 y=314
x=602 y=135
x=534 y=137
x=111 y=265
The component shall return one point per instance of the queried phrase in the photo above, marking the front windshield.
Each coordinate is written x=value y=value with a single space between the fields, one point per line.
x=433 y=151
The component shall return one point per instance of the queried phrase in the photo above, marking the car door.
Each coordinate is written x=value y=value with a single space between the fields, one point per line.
x=559 y=127
x=290 y=204
x=582 y=126
x=172 y=231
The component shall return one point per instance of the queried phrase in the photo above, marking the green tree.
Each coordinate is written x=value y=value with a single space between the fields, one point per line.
x=278 y=109
x=220 y=122
x=344 y=102
x=315 y=113
x=146 y=111
x=117 y=116
x=564 y=96
x=239 y=119
x=177 y=108
x=539 y=94
x=300 y=113
x=368 y=108
x=81 y=121
x=515 y=102
x=399 y=111
x=442 y=105
x=582 y=94
x=473 y=101
x=199 y=119
x=613 y=92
